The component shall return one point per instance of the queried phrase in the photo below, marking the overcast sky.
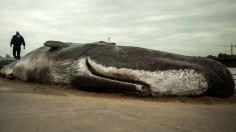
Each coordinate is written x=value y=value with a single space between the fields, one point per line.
x=188 y=27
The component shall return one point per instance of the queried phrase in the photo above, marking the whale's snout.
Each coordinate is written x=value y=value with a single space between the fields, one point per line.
x=220 y=79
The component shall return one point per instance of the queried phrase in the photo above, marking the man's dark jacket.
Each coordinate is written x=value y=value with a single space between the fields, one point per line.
x=17 y=40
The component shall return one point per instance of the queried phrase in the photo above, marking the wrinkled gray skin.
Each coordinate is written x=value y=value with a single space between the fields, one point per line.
x=56 y=63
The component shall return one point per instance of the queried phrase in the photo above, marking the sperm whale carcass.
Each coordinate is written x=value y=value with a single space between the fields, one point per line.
x=106 y=65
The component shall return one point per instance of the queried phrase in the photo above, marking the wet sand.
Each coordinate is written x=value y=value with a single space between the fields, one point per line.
x=41 y=107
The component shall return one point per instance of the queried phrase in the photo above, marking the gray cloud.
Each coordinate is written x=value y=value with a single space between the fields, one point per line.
x=178 y=26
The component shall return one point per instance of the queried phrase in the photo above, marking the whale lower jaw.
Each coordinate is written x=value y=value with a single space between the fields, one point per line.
x=186 y=82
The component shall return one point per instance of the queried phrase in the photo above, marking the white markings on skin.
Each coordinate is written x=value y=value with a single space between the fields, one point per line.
x=7 y=71
x=169 y=82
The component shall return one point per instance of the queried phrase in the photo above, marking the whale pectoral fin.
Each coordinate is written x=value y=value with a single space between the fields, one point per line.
x=55 y=44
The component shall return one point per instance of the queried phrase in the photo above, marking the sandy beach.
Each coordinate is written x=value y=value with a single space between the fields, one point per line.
x=36 y=87
x=41 y=107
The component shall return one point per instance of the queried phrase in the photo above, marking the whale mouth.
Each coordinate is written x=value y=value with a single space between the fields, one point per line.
x=140 y=88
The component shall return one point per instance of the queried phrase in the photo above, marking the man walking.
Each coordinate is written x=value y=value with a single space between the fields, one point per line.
x=17 y=40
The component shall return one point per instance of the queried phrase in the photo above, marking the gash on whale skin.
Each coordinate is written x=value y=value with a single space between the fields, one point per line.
x=102 y=65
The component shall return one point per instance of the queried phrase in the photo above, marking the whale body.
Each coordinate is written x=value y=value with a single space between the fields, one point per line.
x=106 y=65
